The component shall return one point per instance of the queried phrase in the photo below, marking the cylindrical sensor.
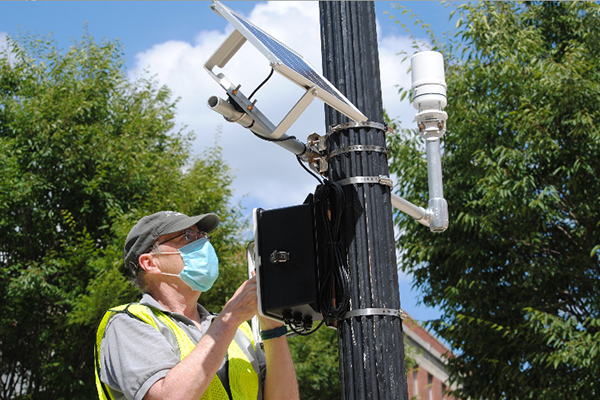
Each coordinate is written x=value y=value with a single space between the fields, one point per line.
x=428 y=81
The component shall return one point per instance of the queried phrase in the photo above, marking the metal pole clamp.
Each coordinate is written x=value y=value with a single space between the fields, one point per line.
x=381 y=180
x=358 y=147
x=376 y=311
x=355 y=125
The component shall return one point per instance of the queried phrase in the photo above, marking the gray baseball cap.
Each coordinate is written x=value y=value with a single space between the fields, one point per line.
x=151 y=227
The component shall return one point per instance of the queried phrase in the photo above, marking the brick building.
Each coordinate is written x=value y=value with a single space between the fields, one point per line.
x=429 y=381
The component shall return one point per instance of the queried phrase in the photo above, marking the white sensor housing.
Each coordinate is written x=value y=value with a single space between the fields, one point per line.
x=428 y=81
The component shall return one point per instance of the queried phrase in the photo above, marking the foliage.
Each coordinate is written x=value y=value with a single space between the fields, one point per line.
x=516 y=273
x=84 y=153
x=316 y=362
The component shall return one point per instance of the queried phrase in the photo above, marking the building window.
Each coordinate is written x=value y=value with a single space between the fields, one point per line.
x=415 y=384
x=430 y=385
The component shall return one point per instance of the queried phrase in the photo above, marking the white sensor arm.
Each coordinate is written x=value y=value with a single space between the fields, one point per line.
x=436 y=215
x=418 y=213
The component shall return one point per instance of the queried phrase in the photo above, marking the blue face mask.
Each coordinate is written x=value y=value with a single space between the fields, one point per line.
x=200 y=265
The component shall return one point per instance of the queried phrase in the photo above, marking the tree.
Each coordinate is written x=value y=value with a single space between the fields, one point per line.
x=84 y=153
x=316 y=361
x=516 y=274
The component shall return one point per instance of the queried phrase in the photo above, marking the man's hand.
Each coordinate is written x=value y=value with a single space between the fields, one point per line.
x=243 y=304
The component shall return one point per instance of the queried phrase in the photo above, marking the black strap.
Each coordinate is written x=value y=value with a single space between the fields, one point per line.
x=223 y=375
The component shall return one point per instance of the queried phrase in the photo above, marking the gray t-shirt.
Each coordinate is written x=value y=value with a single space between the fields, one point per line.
x=134 y=355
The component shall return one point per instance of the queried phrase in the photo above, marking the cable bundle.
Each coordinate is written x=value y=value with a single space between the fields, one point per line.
x=334 y=279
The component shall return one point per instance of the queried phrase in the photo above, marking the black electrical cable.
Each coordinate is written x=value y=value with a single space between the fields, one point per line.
x=290 y=325
x=335 y=286
x=266 y=139
x=262 y=84
x=308 y=170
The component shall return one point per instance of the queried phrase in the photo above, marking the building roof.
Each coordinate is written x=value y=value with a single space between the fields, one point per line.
x=430 y=353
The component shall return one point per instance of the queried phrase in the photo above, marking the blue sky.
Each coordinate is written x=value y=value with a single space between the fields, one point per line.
x=173 y=39
x=141 y=24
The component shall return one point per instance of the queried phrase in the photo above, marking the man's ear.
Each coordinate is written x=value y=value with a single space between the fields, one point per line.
x=149 y=263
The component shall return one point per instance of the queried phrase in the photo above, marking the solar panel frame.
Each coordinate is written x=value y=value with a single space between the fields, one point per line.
x=290 y=64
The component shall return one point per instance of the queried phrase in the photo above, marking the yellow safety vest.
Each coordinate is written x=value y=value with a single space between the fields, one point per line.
x=243 y=372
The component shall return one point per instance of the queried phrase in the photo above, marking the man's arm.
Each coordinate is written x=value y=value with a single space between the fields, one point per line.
x=281 y=382
x=190 y=378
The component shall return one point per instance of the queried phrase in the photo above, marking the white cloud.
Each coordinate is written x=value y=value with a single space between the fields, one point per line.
x=394 y=76
x=266 y=175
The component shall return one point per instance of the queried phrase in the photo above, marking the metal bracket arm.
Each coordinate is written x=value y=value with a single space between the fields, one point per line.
x=294 y=113
x=435 y=217
x=420 y=214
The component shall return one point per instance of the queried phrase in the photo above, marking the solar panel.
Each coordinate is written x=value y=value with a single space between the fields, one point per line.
x=290 y=64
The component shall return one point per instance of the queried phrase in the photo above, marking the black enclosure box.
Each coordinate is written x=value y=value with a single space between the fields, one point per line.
x=286 y=263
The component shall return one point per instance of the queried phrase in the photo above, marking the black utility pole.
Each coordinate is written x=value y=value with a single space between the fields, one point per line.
x=372 y=364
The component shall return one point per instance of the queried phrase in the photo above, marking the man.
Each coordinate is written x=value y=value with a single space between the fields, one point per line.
x=168 y=346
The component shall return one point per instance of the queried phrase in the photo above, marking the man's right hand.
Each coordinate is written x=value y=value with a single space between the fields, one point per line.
x=243 y=304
